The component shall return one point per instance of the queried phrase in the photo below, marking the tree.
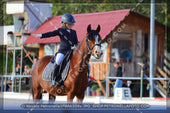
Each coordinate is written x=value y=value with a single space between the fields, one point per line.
x=1 y=13
x=4 y=18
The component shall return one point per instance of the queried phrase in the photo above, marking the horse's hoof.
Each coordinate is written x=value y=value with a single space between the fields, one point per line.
x=62 y=87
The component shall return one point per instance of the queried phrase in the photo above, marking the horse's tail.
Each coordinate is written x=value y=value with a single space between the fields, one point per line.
x=32 y=92
x=31 y=88
x=31 y=83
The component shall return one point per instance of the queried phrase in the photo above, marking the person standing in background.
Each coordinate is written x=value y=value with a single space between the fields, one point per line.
x=18 y=69
x=26 y=72
x=118 y=82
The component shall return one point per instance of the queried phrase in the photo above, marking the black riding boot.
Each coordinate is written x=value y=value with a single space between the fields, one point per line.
x=55 y=75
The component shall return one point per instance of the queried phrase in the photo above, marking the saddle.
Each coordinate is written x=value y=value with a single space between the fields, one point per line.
x=63 y=67
x=64 y=62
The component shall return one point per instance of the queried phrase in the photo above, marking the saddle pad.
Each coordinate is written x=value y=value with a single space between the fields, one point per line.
x=49 y=69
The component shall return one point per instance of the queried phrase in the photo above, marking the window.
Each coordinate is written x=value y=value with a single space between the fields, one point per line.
x=49 y=49
x=146 y=42
x=122 y=50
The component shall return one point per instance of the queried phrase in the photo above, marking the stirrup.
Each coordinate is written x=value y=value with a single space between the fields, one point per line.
x=59 y=83
x=62 y=87
x=53 y=83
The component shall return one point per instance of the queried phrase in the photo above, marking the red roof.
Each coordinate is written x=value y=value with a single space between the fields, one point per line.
x=107 y=20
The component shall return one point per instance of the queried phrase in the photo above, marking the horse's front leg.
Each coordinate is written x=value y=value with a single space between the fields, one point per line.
x=70 y=97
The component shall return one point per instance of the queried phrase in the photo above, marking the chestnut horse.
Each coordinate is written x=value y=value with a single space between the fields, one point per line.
x=77 y=80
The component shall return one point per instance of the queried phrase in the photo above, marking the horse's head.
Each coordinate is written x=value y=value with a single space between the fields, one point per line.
x=93 y=41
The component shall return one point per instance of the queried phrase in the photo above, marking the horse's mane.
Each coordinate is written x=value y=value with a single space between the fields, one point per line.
x=80 y=44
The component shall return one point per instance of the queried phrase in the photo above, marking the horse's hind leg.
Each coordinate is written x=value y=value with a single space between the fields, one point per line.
x=70 y=97
x=52 y=98
x=37 y=93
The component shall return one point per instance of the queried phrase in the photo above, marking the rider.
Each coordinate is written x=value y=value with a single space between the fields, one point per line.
x=68 y=39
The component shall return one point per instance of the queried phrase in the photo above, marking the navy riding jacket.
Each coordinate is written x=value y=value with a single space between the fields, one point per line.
x=67 y=39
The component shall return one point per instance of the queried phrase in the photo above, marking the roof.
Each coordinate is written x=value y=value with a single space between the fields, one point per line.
x=107 y=20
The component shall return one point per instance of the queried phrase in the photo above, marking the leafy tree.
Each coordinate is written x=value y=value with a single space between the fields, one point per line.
x=4 y=18
x=1 y=13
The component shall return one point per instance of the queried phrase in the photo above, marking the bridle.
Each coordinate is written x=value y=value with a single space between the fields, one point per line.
x=88 y=45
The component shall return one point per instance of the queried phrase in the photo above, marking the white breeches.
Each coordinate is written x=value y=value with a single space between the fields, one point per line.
x=59 y=57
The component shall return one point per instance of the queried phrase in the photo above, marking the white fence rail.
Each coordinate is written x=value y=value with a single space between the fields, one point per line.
x=14 y=81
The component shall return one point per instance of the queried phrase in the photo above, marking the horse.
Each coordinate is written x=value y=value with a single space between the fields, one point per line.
x=77 y=81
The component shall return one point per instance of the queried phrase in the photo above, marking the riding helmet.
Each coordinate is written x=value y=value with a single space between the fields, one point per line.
x=67 y=18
